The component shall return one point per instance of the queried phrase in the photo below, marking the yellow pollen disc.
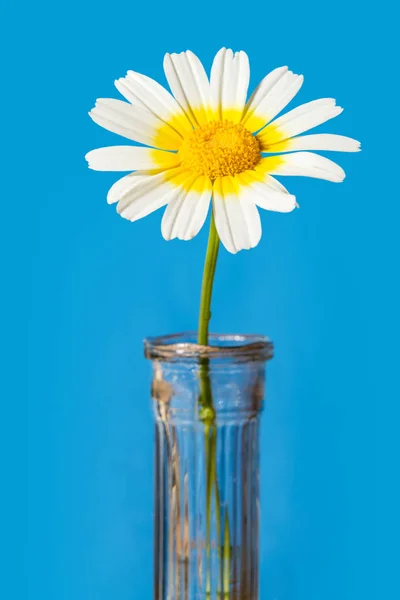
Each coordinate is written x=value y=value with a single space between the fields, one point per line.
x=219 y=148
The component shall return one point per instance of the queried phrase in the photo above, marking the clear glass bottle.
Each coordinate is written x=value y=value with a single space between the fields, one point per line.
x=207 y=465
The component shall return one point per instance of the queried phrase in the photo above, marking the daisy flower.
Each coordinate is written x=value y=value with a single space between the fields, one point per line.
x=206 y=142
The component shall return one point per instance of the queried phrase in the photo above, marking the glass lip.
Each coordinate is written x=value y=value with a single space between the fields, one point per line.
x=226 y=345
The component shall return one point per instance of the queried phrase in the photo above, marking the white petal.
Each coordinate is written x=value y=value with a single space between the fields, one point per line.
x=230 y=75
x=149 y=194
x=189 y=84
x=238 y=222
x=134 y=123
x=186 y=212
x=274 y=92
x=148 y=94
x=274 y=183
x=299 y=119
x=130 y=158
x=318 y=141
x=264 y=192
x=305 y=164
x=124 y=185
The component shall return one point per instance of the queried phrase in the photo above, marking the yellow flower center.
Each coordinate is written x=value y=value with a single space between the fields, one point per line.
x=220 y=148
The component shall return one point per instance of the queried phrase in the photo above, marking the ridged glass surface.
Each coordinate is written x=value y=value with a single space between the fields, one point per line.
x=207 y=481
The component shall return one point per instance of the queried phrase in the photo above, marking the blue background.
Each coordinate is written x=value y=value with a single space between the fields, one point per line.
x=83 y=287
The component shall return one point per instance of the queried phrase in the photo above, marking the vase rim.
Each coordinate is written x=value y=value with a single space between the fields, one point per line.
x=183 y=345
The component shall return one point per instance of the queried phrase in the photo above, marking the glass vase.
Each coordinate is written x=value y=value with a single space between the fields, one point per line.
x=207 y=402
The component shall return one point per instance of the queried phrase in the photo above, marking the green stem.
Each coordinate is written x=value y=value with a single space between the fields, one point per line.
x=209 y=484
x=207 y=416
x=227 y=555
x=207 y=285
x=207 y=413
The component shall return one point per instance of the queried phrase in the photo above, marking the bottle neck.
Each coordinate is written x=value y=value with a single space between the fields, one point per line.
x=237 y=391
